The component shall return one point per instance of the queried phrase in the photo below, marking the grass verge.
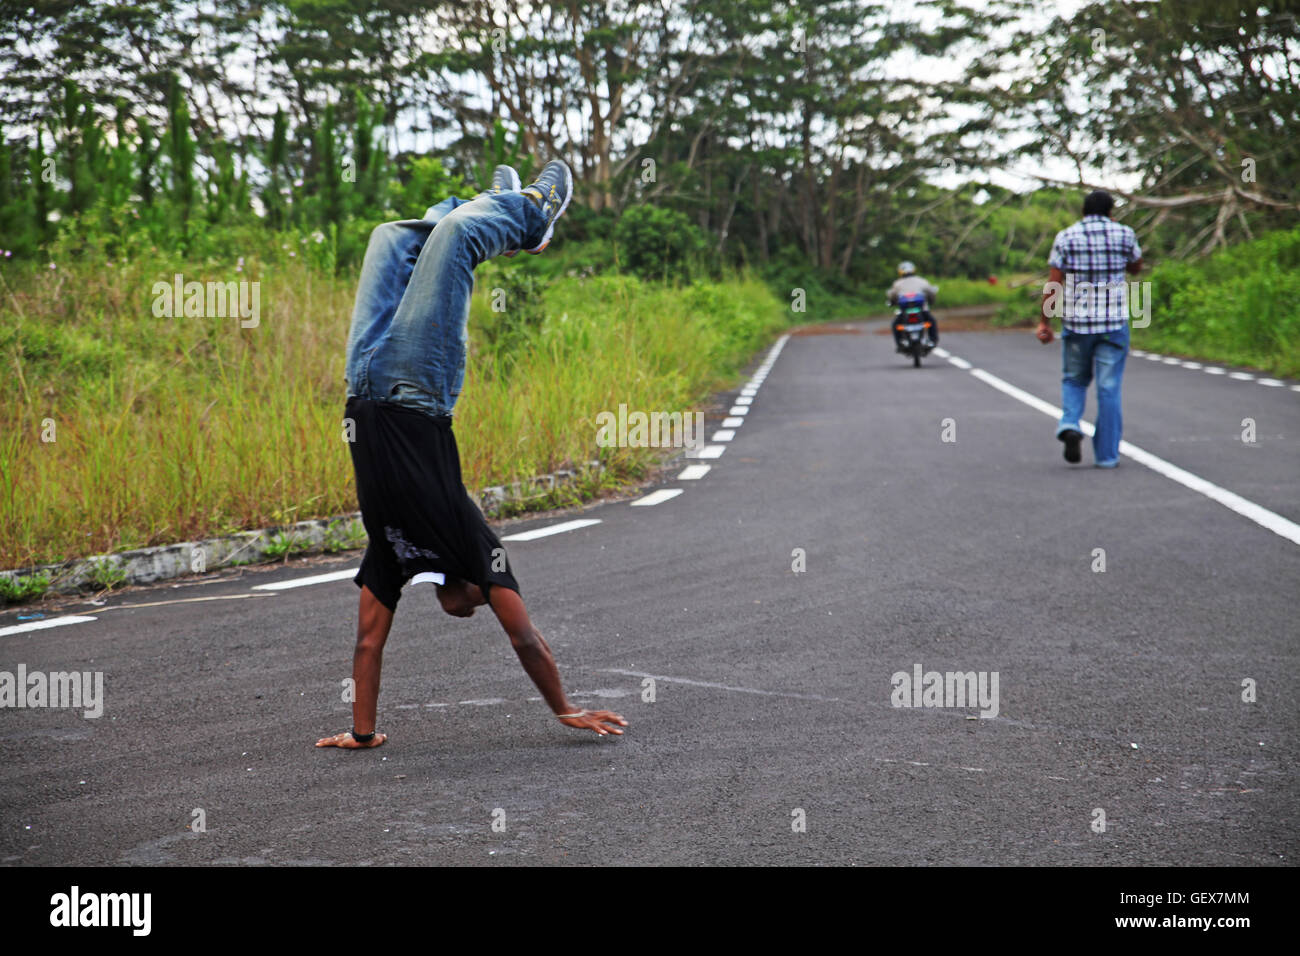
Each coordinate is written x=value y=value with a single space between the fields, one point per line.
x=126 y=430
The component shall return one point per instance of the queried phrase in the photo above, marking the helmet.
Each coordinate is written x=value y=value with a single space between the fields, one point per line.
x=906 y=269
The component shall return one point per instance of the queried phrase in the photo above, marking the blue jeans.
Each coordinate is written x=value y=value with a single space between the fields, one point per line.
x=408 y=339
x=1108 y=351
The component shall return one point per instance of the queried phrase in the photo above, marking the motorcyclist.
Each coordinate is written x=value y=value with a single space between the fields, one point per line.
x=908 y=282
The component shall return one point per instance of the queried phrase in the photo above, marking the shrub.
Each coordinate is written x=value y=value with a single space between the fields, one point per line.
x=658 y=243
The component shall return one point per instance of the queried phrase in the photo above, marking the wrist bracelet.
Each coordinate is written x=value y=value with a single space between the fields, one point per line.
x=362 y=738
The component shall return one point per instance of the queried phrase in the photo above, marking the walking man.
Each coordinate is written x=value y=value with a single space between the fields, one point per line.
x=1087 y=288
x=405 y=369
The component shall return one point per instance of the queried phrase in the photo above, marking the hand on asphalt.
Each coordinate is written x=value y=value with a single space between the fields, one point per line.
x=601 y=721
x=346 y=741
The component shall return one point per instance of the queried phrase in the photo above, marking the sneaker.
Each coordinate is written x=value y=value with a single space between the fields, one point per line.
x=1071 y=439
x=552 y=191
x=504 y=180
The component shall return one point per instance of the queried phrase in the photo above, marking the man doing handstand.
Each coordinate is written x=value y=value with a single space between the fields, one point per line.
x=405 y=369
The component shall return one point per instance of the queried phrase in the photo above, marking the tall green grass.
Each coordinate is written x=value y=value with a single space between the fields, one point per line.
x=959 y=292
x=1239 y=306
x=170 y=429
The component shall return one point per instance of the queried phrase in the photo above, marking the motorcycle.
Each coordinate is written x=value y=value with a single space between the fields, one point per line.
x=914 y=323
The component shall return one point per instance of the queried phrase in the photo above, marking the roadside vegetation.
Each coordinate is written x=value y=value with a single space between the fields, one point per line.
x=126 y=430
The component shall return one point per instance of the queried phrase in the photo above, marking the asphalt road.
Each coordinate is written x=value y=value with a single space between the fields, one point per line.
x=1119 y=691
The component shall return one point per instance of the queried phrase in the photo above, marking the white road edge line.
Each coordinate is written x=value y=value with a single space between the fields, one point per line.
x=42 y=625
x=552 y=529
x=1247 y=509
x=694 y=472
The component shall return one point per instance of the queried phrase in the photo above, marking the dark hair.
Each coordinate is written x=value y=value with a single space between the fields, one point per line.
x=1098 y=203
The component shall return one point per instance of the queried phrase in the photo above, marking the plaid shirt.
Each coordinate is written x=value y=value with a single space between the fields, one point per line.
x=1093 y=253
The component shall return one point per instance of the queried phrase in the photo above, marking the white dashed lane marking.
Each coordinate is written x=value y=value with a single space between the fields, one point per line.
x=42 y=625
x=657 y=497
x=1208 y=369
x=551 y=529
x=727 y=432
x=708 y=451
x=303 y=582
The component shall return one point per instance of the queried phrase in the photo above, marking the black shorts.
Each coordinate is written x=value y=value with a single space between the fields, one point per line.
x=417 y=513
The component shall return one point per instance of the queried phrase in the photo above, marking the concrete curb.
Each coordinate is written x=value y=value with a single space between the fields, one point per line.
x=340 y=533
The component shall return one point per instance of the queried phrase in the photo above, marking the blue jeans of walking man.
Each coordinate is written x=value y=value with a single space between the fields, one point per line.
x=408 y=338
x=1085 y=356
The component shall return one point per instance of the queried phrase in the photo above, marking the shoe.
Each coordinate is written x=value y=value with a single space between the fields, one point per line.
x=552 y=190
x=1071 y=439
x=505 y=180
x=1107 y=464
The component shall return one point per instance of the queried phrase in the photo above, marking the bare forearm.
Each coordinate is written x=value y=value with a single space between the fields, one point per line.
x=538 y=662
x=366 y=666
